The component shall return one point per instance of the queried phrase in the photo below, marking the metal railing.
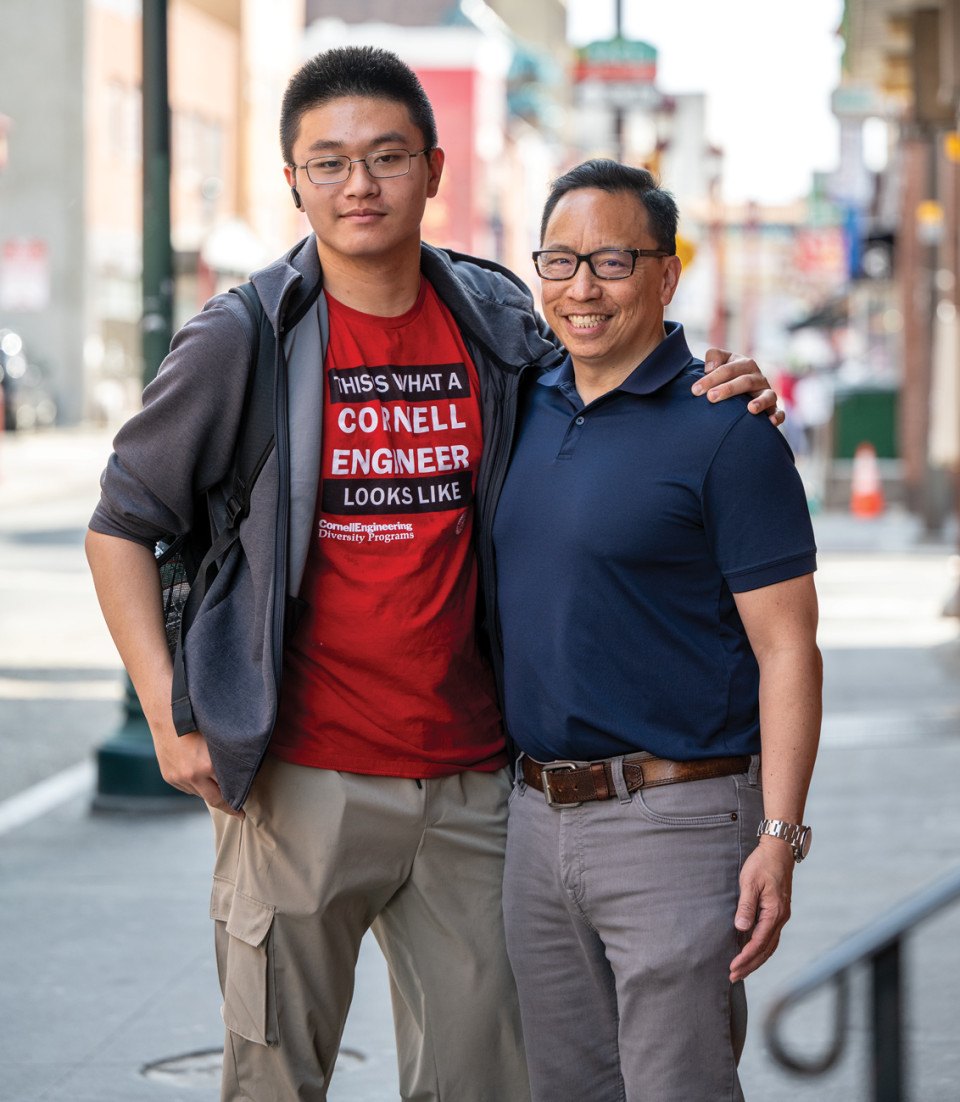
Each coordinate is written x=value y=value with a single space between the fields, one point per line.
x=878 y=946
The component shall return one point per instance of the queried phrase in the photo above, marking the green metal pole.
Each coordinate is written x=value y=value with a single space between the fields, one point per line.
x=128 y=777
x=157 y=251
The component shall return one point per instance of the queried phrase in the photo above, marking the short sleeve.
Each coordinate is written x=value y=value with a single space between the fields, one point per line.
x=183 y=440
x=755 y=508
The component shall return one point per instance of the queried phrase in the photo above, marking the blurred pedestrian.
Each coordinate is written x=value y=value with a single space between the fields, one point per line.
x=370 y=790
x=654 y=563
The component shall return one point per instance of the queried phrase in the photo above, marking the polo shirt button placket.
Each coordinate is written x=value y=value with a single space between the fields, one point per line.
x=571 y=436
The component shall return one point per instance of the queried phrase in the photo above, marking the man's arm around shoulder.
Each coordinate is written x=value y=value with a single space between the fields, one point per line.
x=727 y=374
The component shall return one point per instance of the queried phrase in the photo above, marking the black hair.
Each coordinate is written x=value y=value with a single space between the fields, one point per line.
x=606 y=175
x=353 y=71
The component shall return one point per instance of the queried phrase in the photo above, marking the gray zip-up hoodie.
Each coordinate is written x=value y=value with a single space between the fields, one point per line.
x=182 y=444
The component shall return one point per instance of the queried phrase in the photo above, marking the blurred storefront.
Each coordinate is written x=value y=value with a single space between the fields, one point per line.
x=899 y=110
x=42 y=189
x=70 y=205
x=228 y=63
x=750 y=271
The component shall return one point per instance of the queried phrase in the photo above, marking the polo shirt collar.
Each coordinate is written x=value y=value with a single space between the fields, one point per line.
x=663 y=364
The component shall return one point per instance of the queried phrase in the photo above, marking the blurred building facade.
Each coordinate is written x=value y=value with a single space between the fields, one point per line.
x=515 y=106
x=42 y=189
x=750 y=271
x=899 y=182
x=70 y=204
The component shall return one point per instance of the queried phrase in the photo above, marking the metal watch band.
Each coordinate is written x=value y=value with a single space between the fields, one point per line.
x=795 y=835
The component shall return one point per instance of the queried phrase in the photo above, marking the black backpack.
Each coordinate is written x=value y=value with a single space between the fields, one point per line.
x=189 y=563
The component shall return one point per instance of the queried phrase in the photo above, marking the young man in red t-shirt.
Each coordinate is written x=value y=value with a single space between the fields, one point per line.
x=371 y=791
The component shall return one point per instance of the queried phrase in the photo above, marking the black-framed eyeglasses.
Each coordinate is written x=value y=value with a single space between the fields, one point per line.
x=381 y=164
x=604 y=263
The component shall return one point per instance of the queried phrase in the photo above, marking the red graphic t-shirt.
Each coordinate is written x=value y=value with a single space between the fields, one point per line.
x=383 y=675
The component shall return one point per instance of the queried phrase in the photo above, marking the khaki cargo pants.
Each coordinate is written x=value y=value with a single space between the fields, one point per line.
x=320 y=858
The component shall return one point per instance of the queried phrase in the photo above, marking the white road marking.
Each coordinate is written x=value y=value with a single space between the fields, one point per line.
x=15 y=688
x=47 y=795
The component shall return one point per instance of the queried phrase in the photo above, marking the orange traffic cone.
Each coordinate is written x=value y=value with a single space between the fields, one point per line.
x=866 y=491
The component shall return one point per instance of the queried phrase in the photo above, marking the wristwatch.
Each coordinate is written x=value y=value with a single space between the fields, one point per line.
x=797 y=837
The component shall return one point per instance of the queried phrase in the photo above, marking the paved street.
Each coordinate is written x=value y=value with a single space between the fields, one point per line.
x=107 y=959
x=108 y=989
x=59 y=677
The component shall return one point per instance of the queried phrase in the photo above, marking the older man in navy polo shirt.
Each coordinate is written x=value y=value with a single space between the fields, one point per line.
x=654 y=564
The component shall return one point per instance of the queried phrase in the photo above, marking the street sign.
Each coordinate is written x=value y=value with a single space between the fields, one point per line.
x=24 y=275
x=617 y=61
x=930 y=222
x=686 y=250
x=626 y=95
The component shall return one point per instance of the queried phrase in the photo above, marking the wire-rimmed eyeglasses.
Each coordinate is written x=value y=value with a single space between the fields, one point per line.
x=381 y=164
x=604 y=263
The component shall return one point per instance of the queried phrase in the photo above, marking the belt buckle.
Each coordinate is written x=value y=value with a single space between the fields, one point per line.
x=545 y=771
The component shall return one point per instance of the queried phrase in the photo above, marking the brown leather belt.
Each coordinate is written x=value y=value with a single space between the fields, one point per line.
x=566 y=784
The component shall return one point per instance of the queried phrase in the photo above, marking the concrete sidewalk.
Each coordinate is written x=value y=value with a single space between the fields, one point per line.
x=109 y=985
x=110 y=993
x=108 y=989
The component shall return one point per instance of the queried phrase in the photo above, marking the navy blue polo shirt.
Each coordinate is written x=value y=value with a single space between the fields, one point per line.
x=623 y=530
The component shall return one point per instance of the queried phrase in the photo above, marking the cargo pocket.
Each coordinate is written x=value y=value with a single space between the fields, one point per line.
x=245 y=962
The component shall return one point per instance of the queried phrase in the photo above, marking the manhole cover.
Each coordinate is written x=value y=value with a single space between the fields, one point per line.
x=200 y=1069
x=192 y=1069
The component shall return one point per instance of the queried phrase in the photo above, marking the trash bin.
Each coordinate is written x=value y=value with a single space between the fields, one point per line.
x=865 y=414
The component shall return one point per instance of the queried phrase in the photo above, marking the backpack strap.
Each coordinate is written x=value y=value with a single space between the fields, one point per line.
x=255 y=443
x=257 y=435
x=257 y=427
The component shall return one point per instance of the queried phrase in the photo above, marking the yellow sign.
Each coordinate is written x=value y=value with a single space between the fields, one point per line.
x=686 y=250
x=951 y=146
x=929 y=213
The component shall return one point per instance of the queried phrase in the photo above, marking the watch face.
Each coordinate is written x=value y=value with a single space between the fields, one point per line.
x=804 y=847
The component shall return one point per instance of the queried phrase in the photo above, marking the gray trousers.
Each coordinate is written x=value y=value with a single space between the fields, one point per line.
x=619 y=920
x=323 y=856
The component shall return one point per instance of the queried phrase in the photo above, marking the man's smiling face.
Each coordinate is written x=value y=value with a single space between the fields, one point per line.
x=607 y=325
x=364 y=216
